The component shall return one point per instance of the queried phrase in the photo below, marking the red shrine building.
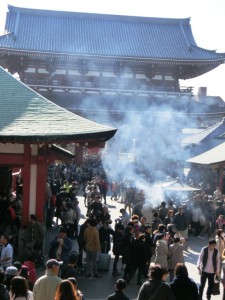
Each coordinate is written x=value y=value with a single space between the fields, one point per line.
x=31 y=128
x=98 y=64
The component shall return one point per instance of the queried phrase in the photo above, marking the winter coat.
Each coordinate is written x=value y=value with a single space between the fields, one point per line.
x=220 y=244
x=155 y=290
x=176 y=254
x=104 y=237
x=184 y=288
x=91 y=238
x=118 y=295
x=155 y=224
x=180 y=221
x=128 y=248
x=161 y=253
x=45 y=286
x=31 y=270
x=141 y=254
x=117 y=243
x=66 y=248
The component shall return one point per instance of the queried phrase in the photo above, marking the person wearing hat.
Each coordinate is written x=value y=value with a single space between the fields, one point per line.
x=45 y=286
x=10 y=273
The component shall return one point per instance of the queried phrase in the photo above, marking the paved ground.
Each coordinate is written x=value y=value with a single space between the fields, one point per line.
x=98 y=289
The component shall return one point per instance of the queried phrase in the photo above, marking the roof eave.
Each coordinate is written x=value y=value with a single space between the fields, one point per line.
x=86 y=137
x=109 y=57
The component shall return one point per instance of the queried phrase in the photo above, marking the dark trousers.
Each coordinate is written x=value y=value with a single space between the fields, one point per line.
x=210 y=278
x=116 y=259
x=140 y=272
x=129 y=271
x=70 y=230
x=76 y=228
x=104 y=196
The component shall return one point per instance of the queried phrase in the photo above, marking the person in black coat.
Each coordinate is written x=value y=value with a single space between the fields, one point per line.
x=117 y=247
x=81 y=242
x=141 y=256
x=95 y=208
x=182 y=286
x=149 y=245
x=156 y=288
x=128 y=253
x=104 y=236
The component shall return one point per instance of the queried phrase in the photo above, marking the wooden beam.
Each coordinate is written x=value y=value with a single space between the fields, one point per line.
x=11 y=159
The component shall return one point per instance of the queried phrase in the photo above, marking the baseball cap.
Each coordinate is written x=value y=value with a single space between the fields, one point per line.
x=13 y=271
x=51 y=263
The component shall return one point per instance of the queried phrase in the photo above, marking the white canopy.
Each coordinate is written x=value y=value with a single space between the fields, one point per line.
x=178 y=186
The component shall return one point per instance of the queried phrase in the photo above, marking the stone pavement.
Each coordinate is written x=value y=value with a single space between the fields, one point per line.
x=99 y=289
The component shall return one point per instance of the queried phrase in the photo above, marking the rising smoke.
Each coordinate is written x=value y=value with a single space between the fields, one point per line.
x=147 y=146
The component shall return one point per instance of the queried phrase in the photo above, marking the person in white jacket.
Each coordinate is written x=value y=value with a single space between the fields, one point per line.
x=45 y=286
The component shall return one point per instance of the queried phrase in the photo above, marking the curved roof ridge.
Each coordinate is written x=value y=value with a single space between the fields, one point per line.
x=6 y=34
x=97 y=15
x=212 y=51
x=185 y=36
x=101 y=35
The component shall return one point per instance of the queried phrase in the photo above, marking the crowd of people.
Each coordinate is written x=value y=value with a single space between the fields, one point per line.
x=150 y=240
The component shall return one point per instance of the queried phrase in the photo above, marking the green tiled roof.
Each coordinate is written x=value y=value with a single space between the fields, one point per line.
x=26 y=116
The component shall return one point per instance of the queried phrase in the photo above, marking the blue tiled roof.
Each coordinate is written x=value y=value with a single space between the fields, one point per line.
x=26 y=116
x=102 y=35
x=206 y=139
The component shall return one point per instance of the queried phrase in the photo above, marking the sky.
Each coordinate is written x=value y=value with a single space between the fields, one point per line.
x=207 y=21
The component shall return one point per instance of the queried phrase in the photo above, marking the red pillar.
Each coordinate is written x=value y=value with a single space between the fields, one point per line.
x=79 y=155
x=26 y=183
x=221 y=176
x=41 y=184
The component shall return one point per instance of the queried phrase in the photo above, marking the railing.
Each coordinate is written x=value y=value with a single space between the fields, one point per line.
x=107 y=86
x=87 y=88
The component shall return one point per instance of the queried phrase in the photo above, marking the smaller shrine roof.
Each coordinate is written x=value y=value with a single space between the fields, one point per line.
x=212 y=156
x=101 y=35
x=27 y=117
x=216 y=131
x=204 y=141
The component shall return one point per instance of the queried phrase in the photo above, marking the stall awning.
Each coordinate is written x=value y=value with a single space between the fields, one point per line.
x=213 y=156
x=178 y=186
